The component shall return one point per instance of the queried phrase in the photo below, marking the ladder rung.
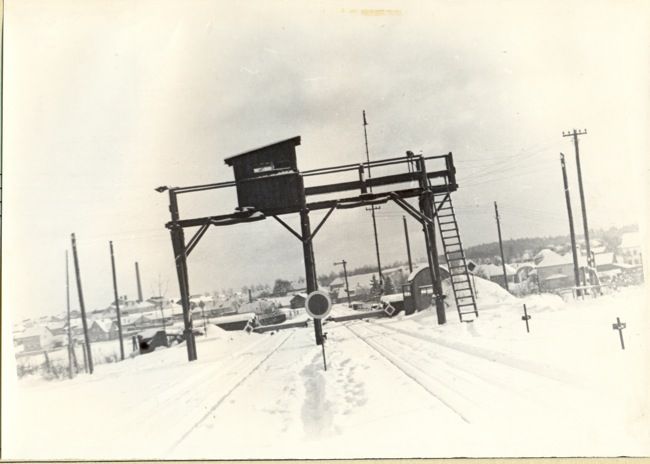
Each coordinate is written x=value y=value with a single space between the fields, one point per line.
x=447 y=222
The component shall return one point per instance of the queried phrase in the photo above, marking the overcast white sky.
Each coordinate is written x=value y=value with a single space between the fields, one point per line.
x=105 y=100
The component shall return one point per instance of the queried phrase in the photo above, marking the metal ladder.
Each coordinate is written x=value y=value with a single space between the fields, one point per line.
x=455 y=257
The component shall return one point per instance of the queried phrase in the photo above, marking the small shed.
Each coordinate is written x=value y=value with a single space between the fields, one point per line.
x=267 y=178
x=418 y=289
x=298 y=301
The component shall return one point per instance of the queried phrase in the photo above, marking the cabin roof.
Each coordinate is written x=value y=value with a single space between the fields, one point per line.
x=295 y=140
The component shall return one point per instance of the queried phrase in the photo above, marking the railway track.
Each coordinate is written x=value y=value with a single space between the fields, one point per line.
x=474 y=387
x=417 y=377
x=250 y=368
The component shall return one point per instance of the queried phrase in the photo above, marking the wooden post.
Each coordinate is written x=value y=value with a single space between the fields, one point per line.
x=82 y=307
x=503 y=260
x=408 y=244
x=117 y=303
x=67 y=302
x=137 y=278
x=576 y=272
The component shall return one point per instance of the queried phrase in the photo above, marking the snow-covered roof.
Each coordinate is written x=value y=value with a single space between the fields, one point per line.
x=201 y=298
x=104 y=324
x=604 y=258
x=556 y=277
x=35 y=331
x=631 y=240
x=355 y=281
x=554 y=259
x=415 y=271
x=281 y=300
x=492 y=270
x=232 y=318
x=392 y=298
x=598 y=249
x=176 y=309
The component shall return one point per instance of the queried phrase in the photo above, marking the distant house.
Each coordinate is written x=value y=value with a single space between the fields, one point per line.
x=629 y=251
x=524 y=271
x=102 y=330
x=359 y=286
x=556 y=271
x=298 y=300
x=494 y=273
x=36 y=338
x=130 y=307
x=281 y=301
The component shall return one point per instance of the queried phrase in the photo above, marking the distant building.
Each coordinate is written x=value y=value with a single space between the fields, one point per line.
x=494 y=273
x=298 y=301
x=629 y=251
x=556 y=271
x=359 y=284
x=102 y=330
x=36 y=338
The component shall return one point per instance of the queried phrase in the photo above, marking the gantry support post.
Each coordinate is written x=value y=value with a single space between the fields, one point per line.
x=427 y=209
x=310 y=266
x=180 y=258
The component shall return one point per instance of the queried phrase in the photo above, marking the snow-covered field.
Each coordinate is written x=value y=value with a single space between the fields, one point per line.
x=400 y=387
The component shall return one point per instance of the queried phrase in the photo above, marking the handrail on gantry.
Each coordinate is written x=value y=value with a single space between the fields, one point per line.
x=323 y=171
x=372 y=164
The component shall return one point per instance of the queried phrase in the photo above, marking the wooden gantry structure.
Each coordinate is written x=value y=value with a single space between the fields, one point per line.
x=270 y=185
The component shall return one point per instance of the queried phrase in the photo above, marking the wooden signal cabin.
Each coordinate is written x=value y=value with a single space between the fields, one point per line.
x=267 y=178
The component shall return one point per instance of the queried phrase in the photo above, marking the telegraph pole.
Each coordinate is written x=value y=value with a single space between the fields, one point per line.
x=87 y=349
x=575 y=135
x=408 y=244
x=137 y=278
x=345 y=273
x=67 y=302
x=503 y=260
x=117 y=302
x=576 y=272
x=372 y=207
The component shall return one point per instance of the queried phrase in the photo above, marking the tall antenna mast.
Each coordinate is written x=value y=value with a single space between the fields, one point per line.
x=372 y=208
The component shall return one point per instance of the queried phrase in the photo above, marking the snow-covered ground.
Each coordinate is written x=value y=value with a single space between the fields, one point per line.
x=400 y=387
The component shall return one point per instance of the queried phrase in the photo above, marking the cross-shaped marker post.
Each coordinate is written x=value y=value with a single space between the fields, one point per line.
x=619 y=326
x=526 y=318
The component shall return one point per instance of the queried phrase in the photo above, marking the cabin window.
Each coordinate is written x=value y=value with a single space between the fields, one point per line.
x=263 y=167
x=426 y=290
x=406 y=290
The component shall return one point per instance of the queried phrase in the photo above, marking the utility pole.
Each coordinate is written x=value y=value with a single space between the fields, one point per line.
x=585 y=226
x=576 y=272
x=345 y=273
x=161 y=303
x=82 y=308
x=503 y=261
x=117 y=302
x=408 y=244
x=372 y=208
x=67 y=302
x=137 y=278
